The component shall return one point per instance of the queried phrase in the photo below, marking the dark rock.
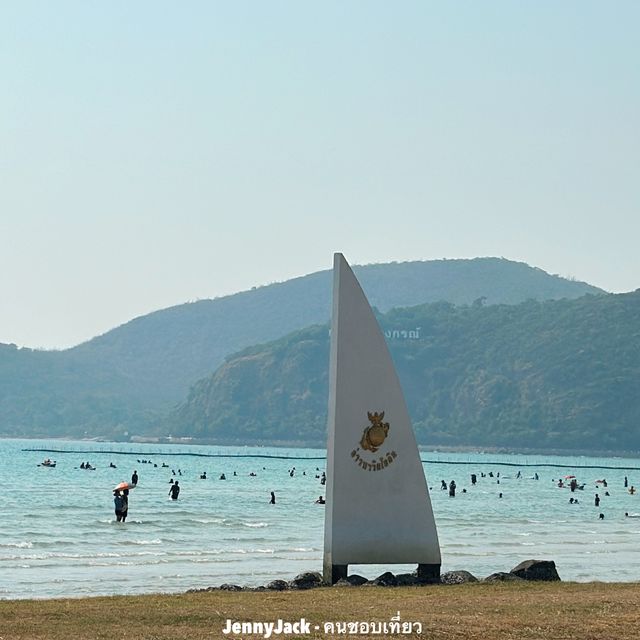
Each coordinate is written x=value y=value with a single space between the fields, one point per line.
x=343 y=582
x=231 y=587
x=278 y=585
x=203 y=590
x=536 y=570
x=306 y=580
x=457 y=577
x=387 y=579
x=501 y=576
x=407 y=579
x=353 y=580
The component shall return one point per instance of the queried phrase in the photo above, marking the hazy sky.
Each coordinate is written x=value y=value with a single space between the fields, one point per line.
x=157 y=152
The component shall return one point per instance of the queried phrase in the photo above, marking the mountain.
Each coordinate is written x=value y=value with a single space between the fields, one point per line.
x=561 y=374
x=163 y=353
x=122 y=380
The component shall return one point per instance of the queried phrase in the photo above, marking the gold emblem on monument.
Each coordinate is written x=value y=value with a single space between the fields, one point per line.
x=374 y=435
x=372 y=439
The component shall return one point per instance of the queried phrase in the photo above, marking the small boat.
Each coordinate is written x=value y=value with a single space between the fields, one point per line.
x=47 y=462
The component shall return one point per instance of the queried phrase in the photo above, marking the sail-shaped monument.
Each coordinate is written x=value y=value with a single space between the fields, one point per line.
x=378 y=509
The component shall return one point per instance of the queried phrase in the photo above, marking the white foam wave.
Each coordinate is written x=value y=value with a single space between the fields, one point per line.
x=17 y=545
x=209 y=520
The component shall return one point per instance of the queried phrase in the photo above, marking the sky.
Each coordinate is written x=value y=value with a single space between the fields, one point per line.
x=158 y=152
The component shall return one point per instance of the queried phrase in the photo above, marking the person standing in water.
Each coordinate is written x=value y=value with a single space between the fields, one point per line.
x=174 y=491
x=125 y=504
x=134 y=478
x=117 y=502
x=273 y=498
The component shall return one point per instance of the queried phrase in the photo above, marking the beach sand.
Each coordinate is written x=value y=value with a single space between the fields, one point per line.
x=522 y=611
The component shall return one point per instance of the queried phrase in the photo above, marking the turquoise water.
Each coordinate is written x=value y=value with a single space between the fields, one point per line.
x=60 y=538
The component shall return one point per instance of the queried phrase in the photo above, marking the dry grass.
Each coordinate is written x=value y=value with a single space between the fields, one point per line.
x=553 y=611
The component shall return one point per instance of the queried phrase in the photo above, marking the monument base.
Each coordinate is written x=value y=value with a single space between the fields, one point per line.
x=425 y=573
x=428 y=573
x=335 y=572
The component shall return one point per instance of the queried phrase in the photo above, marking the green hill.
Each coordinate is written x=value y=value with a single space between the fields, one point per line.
x=546 y=375
x=122 y=380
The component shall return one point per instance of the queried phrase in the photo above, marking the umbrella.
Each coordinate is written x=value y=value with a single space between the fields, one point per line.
x=124 y=485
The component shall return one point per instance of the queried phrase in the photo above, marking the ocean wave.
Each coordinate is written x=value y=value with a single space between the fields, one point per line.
x=208 y=520
x=39 y=556
x=199 y=553
x=77 y=556
x=17 y=545
x=128 y=563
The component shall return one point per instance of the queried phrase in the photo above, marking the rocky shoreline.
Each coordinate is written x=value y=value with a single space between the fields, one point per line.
x=537 y=570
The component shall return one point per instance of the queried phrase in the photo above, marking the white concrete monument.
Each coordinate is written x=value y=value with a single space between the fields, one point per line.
x=378 y=509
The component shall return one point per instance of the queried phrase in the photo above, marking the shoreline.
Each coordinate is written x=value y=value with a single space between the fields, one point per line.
x=526 y=572
x=227 y=588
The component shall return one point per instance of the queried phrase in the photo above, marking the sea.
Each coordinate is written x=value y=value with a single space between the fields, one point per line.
x=59 y=536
